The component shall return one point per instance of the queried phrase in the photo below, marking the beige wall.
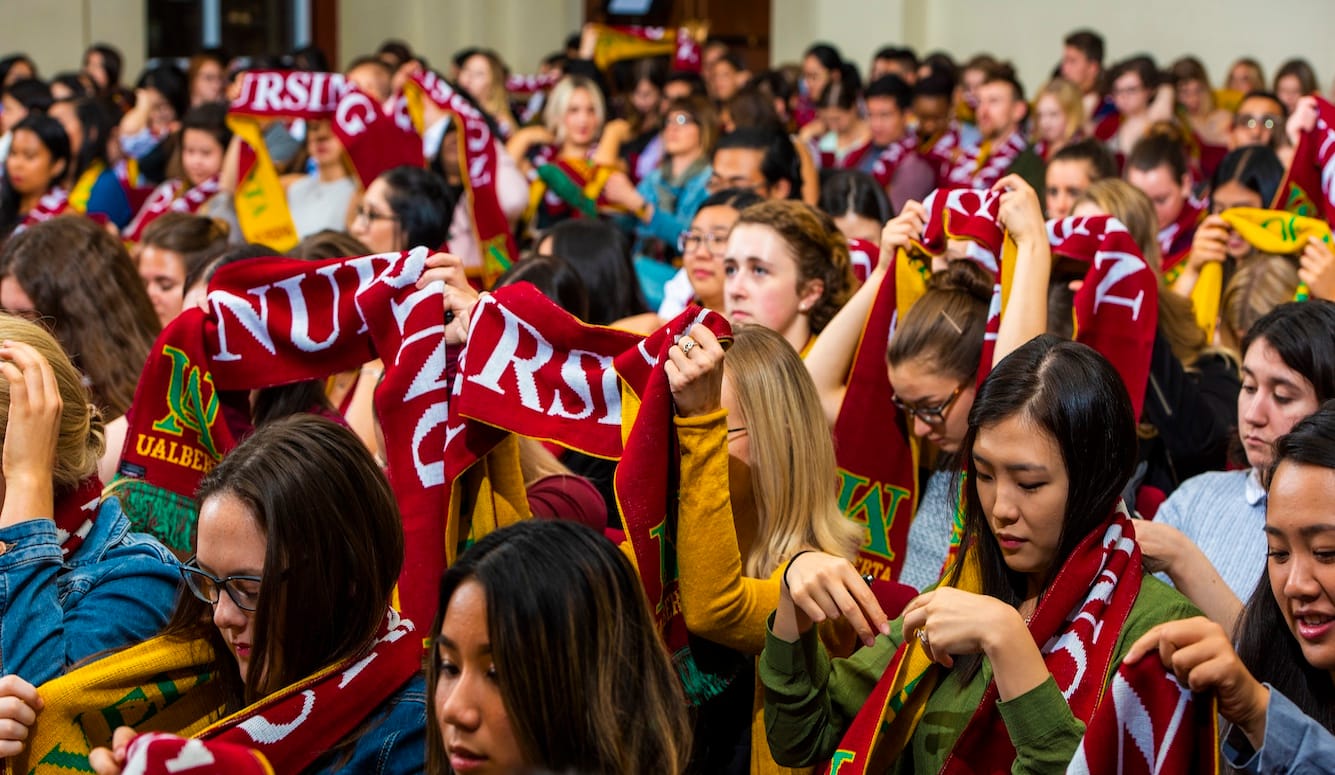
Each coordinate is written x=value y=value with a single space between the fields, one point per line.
x=56 y=32
x=1029 y=32
x=523 y=31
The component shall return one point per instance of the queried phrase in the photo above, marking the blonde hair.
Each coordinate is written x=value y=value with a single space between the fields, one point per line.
x=82 y=440
x=497 y=102
x=1070 y=99
x=553 y=116
x=1130 y=205
x=793 y=471
x=1264 y=282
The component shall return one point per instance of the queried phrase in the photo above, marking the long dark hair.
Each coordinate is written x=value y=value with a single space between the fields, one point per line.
x=98 y=120
x=334 y=549
x=1300 y=333
x=600 y=254
x=422 y=203
x=1265 y=643
x=52 y=136
x=586 y=682
x=1074 y=394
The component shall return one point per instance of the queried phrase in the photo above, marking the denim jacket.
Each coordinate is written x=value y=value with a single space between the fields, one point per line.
x=393 y=740
x=1294 y=742
x=117 y=589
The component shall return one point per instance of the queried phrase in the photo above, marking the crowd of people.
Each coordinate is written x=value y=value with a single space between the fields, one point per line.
x=649 y=413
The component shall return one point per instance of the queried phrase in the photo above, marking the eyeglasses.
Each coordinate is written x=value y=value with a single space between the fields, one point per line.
x=1267 y=120
x=741 y=430
x=932 y=415
x=1127 y=91
x=370 y=216
x=691 y=241
x=679 y=119
x=244 y=590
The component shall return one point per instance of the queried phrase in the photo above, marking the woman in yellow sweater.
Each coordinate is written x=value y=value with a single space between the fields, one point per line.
x=758 y=427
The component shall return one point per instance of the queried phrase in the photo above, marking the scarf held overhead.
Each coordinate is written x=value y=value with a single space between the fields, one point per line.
x=1308 y=188
x=279 y=321
x=532 y=368
x=1076 y=626
x=477 y=152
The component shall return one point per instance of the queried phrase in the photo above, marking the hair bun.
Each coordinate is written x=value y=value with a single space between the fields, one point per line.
x=964 y=276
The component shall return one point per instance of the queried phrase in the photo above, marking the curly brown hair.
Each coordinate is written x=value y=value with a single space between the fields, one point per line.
x=820 y=248
x=86 y=289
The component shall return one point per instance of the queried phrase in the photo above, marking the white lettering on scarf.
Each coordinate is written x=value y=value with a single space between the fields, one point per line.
x=266 y=732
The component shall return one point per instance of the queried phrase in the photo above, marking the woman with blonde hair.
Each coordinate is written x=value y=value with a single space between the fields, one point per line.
x=483 y=76
x=1059 y=117
x=750 y=419
x=1196 y=98
x=1263 y=283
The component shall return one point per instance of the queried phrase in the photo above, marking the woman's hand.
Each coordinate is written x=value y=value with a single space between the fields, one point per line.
x=30 y=441
x=953 y=622
x=110 y=761
x=621 y=191
x=1303 y=119
x=1020 y=212
x=818 y=586
x=1210 y=243
x=1160 y=545
x=695 y=372
x=460 y=297
x=19 y=706
x=1317 y=269
x=1199 y=653
x=899 y=233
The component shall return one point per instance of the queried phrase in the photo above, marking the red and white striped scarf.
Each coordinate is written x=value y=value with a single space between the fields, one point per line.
x=51 y=204
x=981 y=165
x=887 y=163
x=169 y=198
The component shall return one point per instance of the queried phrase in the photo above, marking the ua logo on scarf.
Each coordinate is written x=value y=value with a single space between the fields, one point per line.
x=187 y=407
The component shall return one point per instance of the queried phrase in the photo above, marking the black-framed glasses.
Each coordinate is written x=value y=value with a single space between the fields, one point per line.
x=690 y=241
x=1267 y=120
x=244 y=590
x=932 y=415
x=365 y=213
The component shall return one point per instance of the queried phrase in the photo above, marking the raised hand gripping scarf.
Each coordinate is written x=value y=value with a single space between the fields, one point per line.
x=278 y=321
x=601 y=391
x=169 y=198
x=477 y=152
x=163 y=684
x=1278 y=232
x=1076 y=626
x=373 y=141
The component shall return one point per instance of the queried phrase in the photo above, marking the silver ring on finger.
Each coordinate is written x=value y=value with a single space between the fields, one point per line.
x=922 y=638
x=687 y=344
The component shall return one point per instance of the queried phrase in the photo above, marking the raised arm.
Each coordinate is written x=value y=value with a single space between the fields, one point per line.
x=831 y=357
x=1026 y=314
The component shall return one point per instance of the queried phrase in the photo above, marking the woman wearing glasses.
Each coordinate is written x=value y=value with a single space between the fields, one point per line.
x=299 y=546
x=702 y=247
x=403 y=208
x=76 y=581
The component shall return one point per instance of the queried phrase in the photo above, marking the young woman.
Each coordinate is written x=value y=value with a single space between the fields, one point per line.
x=599 y=254
x=1196 y=97
x=75 y=575
x=403 y=208
x=1247 y=177
x=702 y=249
x=482 y=75
x=666 y=200
x=787 y=268
x=1276 y=688
x=1206 y=536
x=39 y=158
x=599 y=695
x=1245 y=76
x=206 y=77
x=161 y=98
x=98 y=183
x=1051 y=443
x=856 y=203
x=1059 y=117
x=79 y=280
x=174 y=247
x=1294 y=80
x=752 y=437
x=841 y=138
x=822 y=65
x=1141 y=99
x=320 y=200
x=300 y=544
x=1070 y=173
x=193 y=172
x=1266 y=282
x=1157 y=165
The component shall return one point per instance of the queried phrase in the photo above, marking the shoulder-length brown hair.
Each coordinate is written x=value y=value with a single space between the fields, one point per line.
x=334 y=549
x=586 y=681
x=87 y=291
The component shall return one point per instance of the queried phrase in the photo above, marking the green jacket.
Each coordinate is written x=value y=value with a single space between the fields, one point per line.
x=810 y=700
